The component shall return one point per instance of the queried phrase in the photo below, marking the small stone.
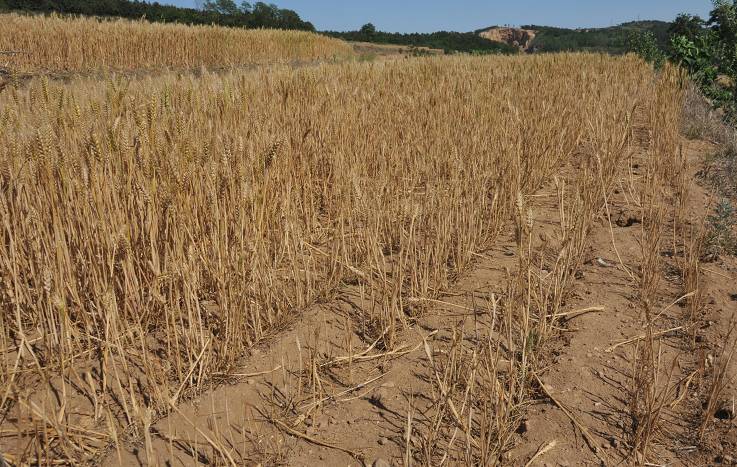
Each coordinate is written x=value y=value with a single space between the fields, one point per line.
x=614 y=442
x=383 y=441
x=388 y=384
x=251 y=382
x=380 y=463
x=733 y=297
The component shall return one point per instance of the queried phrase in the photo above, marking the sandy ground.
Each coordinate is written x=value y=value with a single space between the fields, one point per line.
x=364 y=418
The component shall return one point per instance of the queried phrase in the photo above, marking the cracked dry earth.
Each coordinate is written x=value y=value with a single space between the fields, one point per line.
x=321 y=394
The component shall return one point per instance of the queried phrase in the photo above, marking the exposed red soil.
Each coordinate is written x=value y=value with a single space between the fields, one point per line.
x=521 y=38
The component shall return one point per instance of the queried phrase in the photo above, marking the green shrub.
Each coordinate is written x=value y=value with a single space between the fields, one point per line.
x=646 y=46
x=709 y=55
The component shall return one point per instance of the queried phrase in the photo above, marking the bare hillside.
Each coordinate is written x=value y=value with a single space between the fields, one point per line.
x=521 y=38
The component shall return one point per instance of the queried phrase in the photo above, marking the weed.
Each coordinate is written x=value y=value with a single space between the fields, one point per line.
x=367 y=57
x=722 y=238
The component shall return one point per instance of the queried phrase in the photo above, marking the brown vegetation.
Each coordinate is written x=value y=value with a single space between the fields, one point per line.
x=63 y=45
x=155 y=229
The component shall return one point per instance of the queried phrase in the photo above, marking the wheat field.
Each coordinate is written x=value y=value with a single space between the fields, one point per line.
x=54 y=44
x=154 y=229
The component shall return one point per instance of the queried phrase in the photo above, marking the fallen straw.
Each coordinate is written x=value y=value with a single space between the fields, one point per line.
x=542 y=450
x=576 y=313
x=640 y=337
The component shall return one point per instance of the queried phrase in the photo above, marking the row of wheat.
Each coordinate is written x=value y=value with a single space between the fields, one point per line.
x=69 y=45
x=152 y=230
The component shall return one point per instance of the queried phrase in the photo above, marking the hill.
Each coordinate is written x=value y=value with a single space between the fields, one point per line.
x=551 y=39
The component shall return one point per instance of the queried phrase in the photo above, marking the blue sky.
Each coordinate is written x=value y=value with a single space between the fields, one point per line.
x=467 y=15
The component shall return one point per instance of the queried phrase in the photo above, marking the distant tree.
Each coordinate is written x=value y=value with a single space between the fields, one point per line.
x=224 y=7
x=289 y=19
x=723 y=20
x=265 y=15
x=689 y=26
x=220 y=12
x=368 y=29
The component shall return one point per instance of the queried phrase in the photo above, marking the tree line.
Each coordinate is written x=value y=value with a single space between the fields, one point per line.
x=449 y=42
x=219 y=12
x=613 y=40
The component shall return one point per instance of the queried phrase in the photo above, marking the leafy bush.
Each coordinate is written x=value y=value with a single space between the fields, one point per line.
x=722 y=237
x=645 y=45
x=710 y=54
